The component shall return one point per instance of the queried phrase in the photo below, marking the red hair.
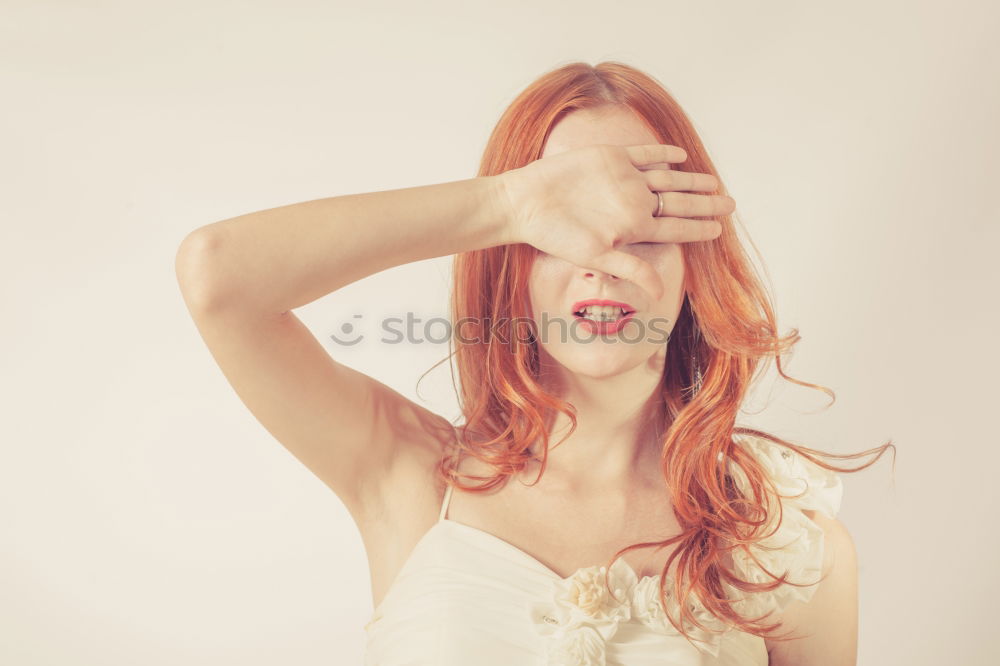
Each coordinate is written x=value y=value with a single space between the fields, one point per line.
x=725 y=328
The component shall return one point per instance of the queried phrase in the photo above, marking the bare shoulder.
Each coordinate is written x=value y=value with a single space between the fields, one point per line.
x=826 y=626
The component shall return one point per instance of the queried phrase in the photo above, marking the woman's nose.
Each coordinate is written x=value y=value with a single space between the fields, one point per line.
x=594 y=273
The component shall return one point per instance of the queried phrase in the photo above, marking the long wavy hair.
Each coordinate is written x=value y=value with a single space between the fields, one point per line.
x=725 y=329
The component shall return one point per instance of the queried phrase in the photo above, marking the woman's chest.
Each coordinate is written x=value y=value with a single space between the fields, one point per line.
x=567 y=532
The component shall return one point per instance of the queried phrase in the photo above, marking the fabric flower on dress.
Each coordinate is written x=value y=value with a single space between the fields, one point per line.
x=804 y=484
x=585 y=591
x=646 y=606
x=647 y=609
x=579 y=646
x=581 y=616
x=796 y=547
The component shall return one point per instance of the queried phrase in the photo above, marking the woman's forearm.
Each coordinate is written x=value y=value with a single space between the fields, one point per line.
x=282 y=258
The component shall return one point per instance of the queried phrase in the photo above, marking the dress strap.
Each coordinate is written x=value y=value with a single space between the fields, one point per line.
x=445 y=502
x=455 y=457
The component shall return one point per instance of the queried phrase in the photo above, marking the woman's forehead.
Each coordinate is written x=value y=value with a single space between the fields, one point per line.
x=587 y=127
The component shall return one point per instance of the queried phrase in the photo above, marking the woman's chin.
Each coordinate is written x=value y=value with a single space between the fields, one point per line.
x=595 y=360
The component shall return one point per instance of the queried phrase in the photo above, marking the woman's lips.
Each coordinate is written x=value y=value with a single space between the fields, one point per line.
x=580 y=305
x=603 y=327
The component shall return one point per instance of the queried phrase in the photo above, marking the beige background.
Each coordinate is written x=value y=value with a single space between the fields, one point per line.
x=148 y=518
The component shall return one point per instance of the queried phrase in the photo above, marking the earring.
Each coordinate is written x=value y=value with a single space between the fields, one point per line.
x=696 y=373
x=695 y=366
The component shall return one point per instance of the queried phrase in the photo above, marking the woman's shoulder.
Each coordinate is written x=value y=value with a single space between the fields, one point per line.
x=801 y=483
x=801 y=531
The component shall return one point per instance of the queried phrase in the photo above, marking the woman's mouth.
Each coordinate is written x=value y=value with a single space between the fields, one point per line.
x=602 y=318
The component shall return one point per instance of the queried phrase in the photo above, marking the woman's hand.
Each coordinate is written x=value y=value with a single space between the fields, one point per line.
x=582 y=204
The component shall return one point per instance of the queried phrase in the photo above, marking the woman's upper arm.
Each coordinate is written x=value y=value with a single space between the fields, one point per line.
x=349 y=429
x=827 y=625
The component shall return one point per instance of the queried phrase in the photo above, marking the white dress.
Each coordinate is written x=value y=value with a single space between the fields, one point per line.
x=466 y=597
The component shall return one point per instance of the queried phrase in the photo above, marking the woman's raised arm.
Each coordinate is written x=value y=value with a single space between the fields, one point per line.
x=281 y=258
x=241 y=278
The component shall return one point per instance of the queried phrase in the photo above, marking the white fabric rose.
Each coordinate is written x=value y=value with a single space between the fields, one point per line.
x=804 y=484
x=796 y=547
x=581 y=616
x=585 y=590
x=580 y=646
x=646 y=608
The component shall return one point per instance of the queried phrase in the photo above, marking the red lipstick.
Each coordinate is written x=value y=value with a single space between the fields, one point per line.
x=580 y=305
x=602 y=327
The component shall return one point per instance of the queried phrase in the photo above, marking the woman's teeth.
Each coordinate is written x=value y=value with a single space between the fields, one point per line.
x=602 y=312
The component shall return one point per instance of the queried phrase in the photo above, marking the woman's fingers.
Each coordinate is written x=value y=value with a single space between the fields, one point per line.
x=630 y=267
x=680 y=230
x=678 y=191
x=673 y=224
x=645 y=155
x=682 y=204
x=667 y=180
x=674 y=188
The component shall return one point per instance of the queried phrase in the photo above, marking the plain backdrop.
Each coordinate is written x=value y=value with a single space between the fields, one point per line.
x=146 y=517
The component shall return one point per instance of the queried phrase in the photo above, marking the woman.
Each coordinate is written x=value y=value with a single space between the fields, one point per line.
x=601 y=300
